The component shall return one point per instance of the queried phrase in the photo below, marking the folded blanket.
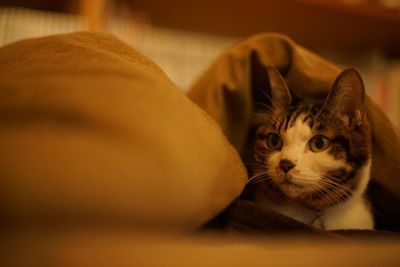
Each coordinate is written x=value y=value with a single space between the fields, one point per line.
x=93 y=133
x=225 y=91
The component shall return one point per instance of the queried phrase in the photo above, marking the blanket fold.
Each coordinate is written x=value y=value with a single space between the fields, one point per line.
x=94 y=133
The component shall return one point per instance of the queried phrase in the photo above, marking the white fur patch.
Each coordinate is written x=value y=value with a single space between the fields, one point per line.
x=309 y=166
x=353 y=213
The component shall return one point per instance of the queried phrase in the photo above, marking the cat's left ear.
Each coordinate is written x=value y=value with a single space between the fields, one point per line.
x=347 y=97
x=268 y=86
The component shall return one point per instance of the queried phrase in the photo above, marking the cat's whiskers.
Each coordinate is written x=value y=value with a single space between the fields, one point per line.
x=271 y=109
x=334 y=191
x=328 y=188
x=337 y=182
x=307 y=177
x=258 y=175
x=264 y=179
x=266 y=117
x=266 y=95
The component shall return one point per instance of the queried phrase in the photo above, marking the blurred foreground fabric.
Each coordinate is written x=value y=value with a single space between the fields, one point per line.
x=98 y=145
x=92 y=131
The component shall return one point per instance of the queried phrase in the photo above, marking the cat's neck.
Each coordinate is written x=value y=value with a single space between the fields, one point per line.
x=290 y=208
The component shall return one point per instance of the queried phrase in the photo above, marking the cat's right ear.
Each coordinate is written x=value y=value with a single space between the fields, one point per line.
x=347 y=97
x=269 y=87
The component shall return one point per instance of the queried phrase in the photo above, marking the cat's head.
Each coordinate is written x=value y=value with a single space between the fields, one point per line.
x=317 y=154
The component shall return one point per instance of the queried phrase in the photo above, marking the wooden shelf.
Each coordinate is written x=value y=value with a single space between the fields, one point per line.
x=51 y=5
x=323 y=26
x=328 y=27
x=369 y=9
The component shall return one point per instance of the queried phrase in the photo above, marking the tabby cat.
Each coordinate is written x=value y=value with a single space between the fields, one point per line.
x=311 y=162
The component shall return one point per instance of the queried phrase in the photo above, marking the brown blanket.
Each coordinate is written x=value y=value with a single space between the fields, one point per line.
x=225 y=92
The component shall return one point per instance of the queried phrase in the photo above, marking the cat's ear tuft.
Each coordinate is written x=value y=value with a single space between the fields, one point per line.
x=269 y=87
x=347 y=97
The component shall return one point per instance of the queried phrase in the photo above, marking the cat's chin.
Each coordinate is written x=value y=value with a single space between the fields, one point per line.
x=291 y=190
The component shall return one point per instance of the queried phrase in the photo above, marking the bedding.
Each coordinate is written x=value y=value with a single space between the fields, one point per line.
x=103 y=161
x=92 y=131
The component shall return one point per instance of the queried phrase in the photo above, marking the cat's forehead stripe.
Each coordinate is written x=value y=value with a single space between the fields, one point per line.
x=307 y=113
x=299 y=132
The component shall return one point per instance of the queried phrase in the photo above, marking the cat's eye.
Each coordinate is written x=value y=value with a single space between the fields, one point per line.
x=274 y=141
x=319 y=143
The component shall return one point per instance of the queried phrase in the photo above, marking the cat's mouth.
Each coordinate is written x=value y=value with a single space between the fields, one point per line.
x=290 y=188
x=287 y=183
x=289 y=180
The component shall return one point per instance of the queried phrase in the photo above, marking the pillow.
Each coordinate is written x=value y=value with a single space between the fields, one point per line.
x=94 y=132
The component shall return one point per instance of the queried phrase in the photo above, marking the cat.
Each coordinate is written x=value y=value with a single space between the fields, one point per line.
x=311 y=162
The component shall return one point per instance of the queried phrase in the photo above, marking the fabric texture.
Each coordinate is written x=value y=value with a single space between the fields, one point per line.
x=228 y=91
x=93 y=132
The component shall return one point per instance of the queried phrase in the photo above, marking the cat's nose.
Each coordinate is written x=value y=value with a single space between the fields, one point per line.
x=286 y=165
